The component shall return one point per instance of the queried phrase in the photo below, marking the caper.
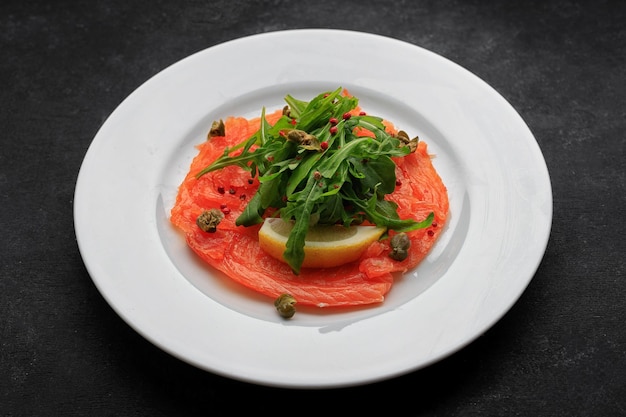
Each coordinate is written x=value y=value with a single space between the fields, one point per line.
x=217 y=129
x=285 y=305
x=406 y=141
x=303 y=139
x=209 y=219
x=400 y=244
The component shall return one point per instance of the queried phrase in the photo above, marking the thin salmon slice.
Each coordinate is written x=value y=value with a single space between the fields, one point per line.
x=235 y=250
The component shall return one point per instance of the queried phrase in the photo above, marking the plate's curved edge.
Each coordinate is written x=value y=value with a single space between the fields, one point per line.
x=256 y=378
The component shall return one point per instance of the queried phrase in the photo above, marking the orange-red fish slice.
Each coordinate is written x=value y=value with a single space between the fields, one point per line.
x=235 y=250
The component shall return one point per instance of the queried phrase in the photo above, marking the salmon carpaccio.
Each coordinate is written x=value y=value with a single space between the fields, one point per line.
x=235 y=250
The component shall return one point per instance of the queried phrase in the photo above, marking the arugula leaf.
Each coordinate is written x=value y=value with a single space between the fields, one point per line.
x=344 y=181
x=294 y=251
x=378 y=172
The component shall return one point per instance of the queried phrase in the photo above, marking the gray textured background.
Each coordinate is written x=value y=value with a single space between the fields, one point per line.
x=560 y=351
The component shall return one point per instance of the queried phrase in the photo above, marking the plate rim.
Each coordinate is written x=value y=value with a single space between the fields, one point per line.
x=97 y=269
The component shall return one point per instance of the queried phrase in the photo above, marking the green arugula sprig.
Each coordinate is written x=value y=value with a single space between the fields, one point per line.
x=314 y=168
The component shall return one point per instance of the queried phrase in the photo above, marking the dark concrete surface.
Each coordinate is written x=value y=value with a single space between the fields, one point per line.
x=66 y=65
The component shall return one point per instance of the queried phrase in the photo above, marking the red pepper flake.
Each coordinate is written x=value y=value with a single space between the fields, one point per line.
x=324 y=145
x=270 y=158
x=346 y=116
x=223 y=206
x=333 y=130
x=333 y=121
x=220 y=189
x=433 y=225
x=293 y=122
x=430 y=233
x=362 y=113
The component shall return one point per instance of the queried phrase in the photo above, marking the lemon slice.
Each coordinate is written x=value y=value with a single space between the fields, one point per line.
x=325 y=246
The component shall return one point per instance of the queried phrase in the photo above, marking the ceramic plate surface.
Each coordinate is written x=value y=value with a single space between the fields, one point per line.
x=498 y=184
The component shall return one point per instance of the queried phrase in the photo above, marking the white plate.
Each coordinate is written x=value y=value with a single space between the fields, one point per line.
x=500 y=211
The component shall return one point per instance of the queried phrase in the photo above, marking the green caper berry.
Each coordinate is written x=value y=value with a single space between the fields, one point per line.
x=285 y=305
x=217 y=129
x=209 y=219
x=303 y=139
x=406 y=141
x=400 y=244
